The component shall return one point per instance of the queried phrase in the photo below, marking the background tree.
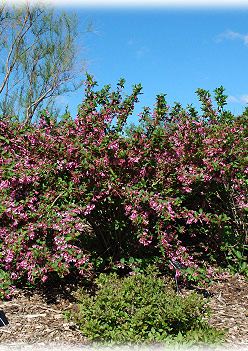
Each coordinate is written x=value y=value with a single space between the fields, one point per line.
x=37 y=57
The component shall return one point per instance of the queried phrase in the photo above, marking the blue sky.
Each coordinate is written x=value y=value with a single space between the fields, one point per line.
x=172 y=51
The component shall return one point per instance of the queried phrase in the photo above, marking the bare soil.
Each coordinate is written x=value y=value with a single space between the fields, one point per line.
x=37 y=318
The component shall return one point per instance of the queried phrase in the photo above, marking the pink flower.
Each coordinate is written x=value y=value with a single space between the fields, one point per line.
x=44 y=278
x=89 y=208
x=134 y=215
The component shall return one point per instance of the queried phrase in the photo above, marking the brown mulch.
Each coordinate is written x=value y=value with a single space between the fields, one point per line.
x=34 y=318
x=230 y=307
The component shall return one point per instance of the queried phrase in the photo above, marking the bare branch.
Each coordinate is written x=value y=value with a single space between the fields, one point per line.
x=14 y=48
x=40 y=59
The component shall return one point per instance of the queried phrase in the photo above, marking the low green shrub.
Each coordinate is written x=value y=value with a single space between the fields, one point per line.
x=141 y=308
x=236 y=259
x=6 y=285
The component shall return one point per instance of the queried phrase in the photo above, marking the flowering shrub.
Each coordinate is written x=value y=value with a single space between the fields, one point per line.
x=76 y=192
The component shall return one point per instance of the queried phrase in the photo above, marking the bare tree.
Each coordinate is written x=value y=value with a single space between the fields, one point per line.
x=38 y=58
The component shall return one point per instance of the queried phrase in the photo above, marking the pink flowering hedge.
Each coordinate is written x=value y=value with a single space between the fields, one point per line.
x=77 y=191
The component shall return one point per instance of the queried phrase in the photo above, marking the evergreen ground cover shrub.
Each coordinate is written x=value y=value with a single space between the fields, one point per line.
x=141 y=308
x=77 y=195
x=6 y=287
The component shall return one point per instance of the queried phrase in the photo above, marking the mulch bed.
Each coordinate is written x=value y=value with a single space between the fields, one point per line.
x=38 y=318
x=230 y=308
